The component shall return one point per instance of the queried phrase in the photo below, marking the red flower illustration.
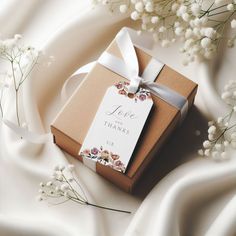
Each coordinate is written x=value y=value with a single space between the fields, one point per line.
x=123 y=92
x=94 y=151
x=104 y=157
x=141 y=95
x=119 y=86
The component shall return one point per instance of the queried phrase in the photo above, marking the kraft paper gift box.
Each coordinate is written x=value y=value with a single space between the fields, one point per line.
x=73 y=121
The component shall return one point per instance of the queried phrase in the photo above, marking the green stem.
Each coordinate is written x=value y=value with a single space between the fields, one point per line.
x=30 y=70
x=216 y=8
x=80 y=187
x=218 y=13
x=97 y=206
x=77 y=195
x=207 y=11
x=17 y=107
x=108 y=208
x=17 y=94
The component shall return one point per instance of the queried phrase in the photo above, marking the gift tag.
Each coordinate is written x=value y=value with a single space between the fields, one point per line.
x=117 y=125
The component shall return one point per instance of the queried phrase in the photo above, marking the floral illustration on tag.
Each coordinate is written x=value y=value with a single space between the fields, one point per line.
x=141 y=95
x=104 y=157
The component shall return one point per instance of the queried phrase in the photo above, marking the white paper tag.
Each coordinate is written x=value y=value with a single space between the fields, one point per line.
x=118 y=123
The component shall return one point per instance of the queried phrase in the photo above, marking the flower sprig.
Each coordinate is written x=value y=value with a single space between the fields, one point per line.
x=64 y=187
x=199 y=24
x=20 y=60
x=222 y=133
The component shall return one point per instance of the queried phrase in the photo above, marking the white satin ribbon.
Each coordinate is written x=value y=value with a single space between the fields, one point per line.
x=147 y=79
x=81 y=71
x=27 y=135
x=124 y=40
x=129 y=69
x=90 y=164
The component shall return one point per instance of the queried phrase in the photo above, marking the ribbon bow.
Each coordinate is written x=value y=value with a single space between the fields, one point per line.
x=128 y=68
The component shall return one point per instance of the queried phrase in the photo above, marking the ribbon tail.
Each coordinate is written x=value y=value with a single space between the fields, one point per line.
x=29 y=136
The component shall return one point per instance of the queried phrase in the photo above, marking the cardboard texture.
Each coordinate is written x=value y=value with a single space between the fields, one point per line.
x=74 y=119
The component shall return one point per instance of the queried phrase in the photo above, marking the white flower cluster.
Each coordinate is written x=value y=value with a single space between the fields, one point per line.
x=61 y=185
x=199 y=24
x=13 y=49
x=229 y=94
x=222 y=133
x=20 y=60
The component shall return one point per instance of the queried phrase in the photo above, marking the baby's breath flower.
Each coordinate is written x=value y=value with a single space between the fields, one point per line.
x=65 y=189
x=222 y=133
x=134 y=15
x=206 y=144
x=205 y=42
x=49 y=183
x=123 y=8
x=198 y=21
x=201 y=152
x=139 y=7
x=179 y=31
x=149 y=7
x=212 y=129
x=21 y=60
x=230 y=7
x=233 y=24
x=154 y=19
x=211 y=137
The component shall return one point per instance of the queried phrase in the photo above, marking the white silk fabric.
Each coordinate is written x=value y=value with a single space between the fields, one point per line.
x=194 y=197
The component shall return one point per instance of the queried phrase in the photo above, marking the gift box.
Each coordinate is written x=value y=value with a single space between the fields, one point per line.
x=74 y=120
